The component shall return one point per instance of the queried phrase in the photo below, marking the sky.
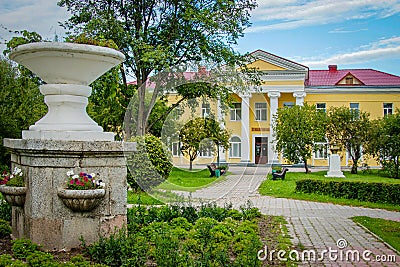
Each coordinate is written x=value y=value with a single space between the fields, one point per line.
x=348 y=33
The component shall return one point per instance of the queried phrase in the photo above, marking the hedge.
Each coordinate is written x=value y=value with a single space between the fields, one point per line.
x=363 y=191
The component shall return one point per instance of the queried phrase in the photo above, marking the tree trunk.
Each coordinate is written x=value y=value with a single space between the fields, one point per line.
x=355 y=165
x=190 y=165
x=306 y=166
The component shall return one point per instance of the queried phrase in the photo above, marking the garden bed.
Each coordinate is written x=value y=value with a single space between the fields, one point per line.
x=286 y=188
x=173 y=236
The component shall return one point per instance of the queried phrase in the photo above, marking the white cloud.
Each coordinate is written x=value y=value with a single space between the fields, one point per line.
x=383 y=49
x=291 y=14
x=41 y=16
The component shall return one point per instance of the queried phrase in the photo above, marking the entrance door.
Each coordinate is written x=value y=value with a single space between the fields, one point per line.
x=261 y=150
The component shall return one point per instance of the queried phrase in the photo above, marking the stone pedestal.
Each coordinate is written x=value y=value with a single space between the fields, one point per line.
x=334 y=167
x=44 y=218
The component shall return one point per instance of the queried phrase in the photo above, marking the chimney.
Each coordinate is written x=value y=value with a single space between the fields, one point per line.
x=202 y=70
x=332 y=67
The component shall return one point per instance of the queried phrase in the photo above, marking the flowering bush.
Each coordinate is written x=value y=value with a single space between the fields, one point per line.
x=16 y=178
x=83 y=181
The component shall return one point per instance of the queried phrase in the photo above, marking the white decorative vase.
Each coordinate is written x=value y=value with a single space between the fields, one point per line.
x=68 y=69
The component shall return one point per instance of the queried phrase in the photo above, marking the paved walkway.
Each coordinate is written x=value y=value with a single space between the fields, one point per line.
x=312 y=225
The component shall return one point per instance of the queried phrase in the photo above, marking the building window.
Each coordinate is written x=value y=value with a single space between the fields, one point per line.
x=387 y=109
x=261 y=111
x=205 y=110
x=321 y=151
x=349 y=80
x=235 y=150
x=206 y=153
x=288 y=104
x=321 y=106
x=175 y=149
x=355 y=106
x=236 y=111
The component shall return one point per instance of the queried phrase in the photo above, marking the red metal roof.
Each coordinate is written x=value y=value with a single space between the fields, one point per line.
x=368 y=77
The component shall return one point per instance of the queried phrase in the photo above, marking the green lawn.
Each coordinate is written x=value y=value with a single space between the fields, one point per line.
x=285 y=188
x=143 y=198
x=388 y=230
x=185 y=180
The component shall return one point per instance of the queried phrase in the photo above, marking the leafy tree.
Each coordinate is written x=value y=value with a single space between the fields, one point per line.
x=21 y=104
x=296 y=130
x=201 y=134
x=348 y=128
x=384 y=143
x=160 y=35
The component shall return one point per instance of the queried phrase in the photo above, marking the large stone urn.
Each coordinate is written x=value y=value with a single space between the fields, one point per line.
x=65 y=139
x=67 y=69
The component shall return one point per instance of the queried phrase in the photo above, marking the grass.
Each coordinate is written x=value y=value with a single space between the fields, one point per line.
x=141 y=197
x=388 y=230
x=286 y=188
x=185 y=180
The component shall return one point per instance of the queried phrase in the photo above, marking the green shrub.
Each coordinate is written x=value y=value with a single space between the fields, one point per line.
x=149 y=164
x=22 y=248
x=40 y=259
x=362 y=191
x=5 y=209
x=5 y=228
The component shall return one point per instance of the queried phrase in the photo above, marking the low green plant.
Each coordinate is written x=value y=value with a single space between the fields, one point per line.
x=6 y=260
x=372 y=192
x=286 y=188
x=22 y=248
x=5 y=209
x=5 y=228
x=40 y=258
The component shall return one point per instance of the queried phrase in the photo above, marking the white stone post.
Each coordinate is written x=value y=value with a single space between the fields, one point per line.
x=222 y=152
x=245 y=120
x=273 y=107
x=299 y=95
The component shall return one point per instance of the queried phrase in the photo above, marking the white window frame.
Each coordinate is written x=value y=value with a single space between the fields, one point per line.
x=355 y=108
x=238 y=145
x=175 y=149
x=317 y=154
x=236 y=112
x=387 y=110
x=259 y=111
x=320 y=108
x=206 y=153
x=205 y=110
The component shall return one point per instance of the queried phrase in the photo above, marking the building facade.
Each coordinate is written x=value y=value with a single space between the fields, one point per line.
x=287 y=83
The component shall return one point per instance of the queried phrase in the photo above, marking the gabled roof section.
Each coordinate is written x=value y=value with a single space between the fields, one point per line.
x=277 y=61
x=366 y=77
x=353 y=80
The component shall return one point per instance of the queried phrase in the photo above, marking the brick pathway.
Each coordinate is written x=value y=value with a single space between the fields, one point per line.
x=312 y=225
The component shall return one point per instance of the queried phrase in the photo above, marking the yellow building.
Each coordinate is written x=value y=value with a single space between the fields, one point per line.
x=287 y=83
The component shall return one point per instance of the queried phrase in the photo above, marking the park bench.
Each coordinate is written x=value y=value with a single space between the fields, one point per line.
x=212 y=169
x=279 y=175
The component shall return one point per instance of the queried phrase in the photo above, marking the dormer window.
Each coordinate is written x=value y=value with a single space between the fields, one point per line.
x=349 y=80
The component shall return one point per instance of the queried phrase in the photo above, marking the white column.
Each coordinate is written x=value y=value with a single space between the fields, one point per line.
x=273 y=107
x=299 y=95
x=222 y=152
x=245 y=119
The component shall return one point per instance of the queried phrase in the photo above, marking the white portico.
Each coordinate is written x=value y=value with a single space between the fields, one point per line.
x=282 y=85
